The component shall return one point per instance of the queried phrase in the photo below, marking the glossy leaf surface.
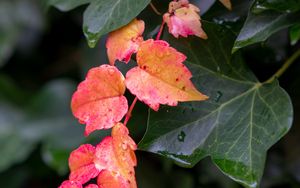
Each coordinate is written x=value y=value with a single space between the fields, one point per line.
x=161 y=77
x=259 y=26
x=102 y=17
x=235 y=127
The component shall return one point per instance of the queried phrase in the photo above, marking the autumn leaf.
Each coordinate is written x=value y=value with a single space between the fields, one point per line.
x=161 y=77
x=70 y=184
x=112 y=160
x=226 y=3
x=115 y=156
x=122 y=43
x=81 y=163
x=74 y=184
x=183 y=19
x=99 y=101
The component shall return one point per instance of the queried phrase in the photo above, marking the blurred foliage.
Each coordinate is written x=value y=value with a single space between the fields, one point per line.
x=44 y=54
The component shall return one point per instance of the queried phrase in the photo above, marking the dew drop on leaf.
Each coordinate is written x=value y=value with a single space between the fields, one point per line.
x=181 y=136
x=218 y=96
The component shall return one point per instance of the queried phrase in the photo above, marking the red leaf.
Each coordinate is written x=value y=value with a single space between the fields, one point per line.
x=99 y=101
x=81 y=162
x=122 y=43
x=183 y=19
x=161 y=77
x=91 y=186
x=70 y=184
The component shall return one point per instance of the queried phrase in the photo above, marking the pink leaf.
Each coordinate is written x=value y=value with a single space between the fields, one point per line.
x=81 y=162
x=161 y=77
x=70 y=184
x=183 y=19
x=99 y=101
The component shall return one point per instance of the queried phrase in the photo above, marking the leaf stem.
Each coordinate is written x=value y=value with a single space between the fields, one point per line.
x=128 y=115
x=154 y=9
x=160 y=30
x=285 y=66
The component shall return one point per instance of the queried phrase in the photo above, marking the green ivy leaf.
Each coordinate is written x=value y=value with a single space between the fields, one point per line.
x=103 y=16
x=238 y=124
x=66 y=5
x=260 y=25
x=278 y=5
x=295 y=34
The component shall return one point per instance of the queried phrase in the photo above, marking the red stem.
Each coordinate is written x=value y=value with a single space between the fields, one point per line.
x=128 y=115
x=160 y=30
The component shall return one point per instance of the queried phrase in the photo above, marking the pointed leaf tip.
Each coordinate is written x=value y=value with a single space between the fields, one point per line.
x=161 y=77
x=122 y=43
x=99 y=101
x=227 y=4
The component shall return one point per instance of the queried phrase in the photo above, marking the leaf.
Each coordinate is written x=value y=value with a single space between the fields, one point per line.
x=81 y=163
x=116 y=156
x=238 y=124
x=183 y=19
x=226 y=3
x=116 y=159
x=70 y=184
x=287 y=6
x=295 y=34
x=66 y=5
x=102 y=17
x=99 y=101
x=161 y=77
x=122 y=43
x=258 y=27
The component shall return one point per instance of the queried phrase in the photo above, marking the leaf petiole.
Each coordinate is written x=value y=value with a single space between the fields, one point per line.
x=160 y=30
x=128 y=115
x=285 y=66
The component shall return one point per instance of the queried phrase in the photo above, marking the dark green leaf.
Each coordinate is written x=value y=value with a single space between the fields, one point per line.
x=104 y=16
x=295 y=34
x=242 y=119
x=278 y=5
x=258 y=27
x=66 y=5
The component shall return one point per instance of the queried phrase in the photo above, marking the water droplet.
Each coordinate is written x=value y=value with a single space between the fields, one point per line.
x=181 y=136
x=218 y=96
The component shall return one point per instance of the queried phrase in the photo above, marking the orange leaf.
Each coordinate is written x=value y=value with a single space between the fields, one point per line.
x=226 y=3
x=183 y=19
x=107 y=179
x=99 y=101
x=122 y=43
x=81 y=162
x=161 y=77
x=115 y=155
